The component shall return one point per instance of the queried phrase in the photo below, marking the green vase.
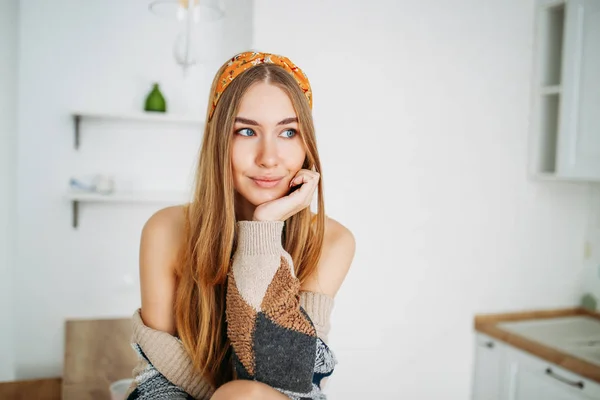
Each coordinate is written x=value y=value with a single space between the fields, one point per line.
x=155 y=100
x=589 y=302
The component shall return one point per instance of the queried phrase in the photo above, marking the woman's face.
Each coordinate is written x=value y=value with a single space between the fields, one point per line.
x=267 y=150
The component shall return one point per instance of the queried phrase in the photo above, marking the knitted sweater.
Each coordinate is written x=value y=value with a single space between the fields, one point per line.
x=277 y=332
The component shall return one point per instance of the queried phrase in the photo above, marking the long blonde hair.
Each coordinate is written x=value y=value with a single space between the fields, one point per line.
x=211 y=226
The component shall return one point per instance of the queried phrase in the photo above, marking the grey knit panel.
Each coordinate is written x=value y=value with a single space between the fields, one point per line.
x=284 y=358
x=152 y=385
x=325 y=363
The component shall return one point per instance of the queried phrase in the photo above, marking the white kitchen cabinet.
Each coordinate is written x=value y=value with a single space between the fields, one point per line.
x=566 y=93
x=489 y=373
x=503 y=372
x=532 y=378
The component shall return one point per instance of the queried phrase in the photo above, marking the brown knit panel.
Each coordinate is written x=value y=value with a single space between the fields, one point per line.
x=281 y=304
x=241 y=319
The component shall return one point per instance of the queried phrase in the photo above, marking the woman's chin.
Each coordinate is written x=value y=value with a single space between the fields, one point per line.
x=260 y=198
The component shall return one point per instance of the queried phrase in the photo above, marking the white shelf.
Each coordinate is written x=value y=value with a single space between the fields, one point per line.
x=548 y=90
x=139 y=116
x=142 y=116
x=166 y=197
x=552 y=176
x=128 y=197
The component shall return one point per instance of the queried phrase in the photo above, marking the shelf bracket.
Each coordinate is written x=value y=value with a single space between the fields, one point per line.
x=77 y=120
x=75 y=204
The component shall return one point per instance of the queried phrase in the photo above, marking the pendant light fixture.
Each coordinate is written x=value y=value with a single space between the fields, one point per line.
x=179 y=10
x=188 y=12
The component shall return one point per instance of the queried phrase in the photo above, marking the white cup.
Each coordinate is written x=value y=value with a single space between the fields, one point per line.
x=104 y=184
x=119 y=388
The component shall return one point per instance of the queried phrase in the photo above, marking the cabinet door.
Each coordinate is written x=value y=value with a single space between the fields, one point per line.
x=578 y=154
x=531 y=378
x=533 y=385
x=488 y=371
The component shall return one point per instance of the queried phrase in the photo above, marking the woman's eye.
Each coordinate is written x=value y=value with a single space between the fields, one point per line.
x=245 y=132
x=289 y=133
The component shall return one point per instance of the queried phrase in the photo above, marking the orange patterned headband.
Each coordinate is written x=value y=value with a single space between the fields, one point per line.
x=244 y=61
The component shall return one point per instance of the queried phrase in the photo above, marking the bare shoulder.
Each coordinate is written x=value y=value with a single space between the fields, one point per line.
x=167 y=221
x=338 y=250
x=161 y=239
x=335 y=232
x=163 y=234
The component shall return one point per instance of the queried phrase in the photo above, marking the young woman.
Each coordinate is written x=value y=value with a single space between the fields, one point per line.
x=238 y=285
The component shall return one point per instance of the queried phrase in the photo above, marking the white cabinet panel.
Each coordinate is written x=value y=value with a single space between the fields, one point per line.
x=489 y=371
x=579 y=142
x=503 y=372
x=532 y=384
x=531 y=378
x=565 y=120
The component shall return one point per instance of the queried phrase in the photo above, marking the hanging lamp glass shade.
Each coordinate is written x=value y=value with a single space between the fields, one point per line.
x=201 y=10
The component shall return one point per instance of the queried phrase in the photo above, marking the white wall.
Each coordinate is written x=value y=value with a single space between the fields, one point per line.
x=422 y=112
x=98 y=56
x=8 y=130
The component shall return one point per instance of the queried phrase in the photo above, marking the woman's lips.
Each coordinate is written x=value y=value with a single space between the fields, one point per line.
x=267 y=183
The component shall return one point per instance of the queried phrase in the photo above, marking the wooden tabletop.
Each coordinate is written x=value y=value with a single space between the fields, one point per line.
x=38 y=389
x=97 y=352
x=488 y=324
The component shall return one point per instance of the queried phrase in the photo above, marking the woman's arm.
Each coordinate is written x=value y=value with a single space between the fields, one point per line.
x=318 y=291
x=159 y=244
x=337 y=254
x=164 y=368
x=274 y=340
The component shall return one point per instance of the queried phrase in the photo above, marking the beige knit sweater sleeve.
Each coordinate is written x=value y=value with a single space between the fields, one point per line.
x=274 y=339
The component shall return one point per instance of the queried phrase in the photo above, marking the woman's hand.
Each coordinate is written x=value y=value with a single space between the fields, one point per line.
x=283 y=208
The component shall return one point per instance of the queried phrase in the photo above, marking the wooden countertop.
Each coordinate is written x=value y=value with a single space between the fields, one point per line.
x=97 y=352
x=488 y=324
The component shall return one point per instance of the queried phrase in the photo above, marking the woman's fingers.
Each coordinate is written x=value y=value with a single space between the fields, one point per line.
x=309 y=181
x=283 y=208
x=304 y=176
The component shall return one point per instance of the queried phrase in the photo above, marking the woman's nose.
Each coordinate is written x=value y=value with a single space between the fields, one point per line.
x=268 y=153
